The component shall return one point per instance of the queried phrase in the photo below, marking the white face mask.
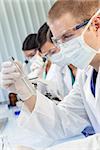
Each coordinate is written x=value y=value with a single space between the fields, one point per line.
x=31 y=60
x=36 y=62
x=75 y=52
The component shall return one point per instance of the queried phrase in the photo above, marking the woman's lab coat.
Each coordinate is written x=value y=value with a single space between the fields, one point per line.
x=61 y=79
x=58 y=82
x=49 y=122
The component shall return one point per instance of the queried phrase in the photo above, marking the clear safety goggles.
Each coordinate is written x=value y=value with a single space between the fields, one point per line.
x=71 y=33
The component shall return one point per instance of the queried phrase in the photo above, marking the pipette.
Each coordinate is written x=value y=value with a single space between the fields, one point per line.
x=24 y=77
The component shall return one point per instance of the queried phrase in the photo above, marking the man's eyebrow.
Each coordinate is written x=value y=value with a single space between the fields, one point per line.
x=65 y=32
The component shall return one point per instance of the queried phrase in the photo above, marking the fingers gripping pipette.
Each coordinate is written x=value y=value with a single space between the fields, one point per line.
x=28 y=84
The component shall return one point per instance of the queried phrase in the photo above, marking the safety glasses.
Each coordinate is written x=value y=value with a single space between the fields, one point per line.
x=70 y=33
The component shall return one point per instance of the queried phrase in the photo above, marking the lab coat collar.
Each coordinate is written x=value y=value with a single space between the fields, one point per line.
x=88 y=70
x=91 y=99
x=64 y=69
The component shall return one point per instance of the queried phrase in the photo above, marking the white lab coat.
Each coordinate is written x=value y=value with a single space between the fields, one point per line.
x=92 y=142
x=58 y=81
x=49 y=122
x=61 y=77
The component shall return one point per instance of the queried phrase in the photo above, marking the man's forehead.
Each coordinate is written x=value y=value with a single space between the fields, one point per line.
x=61 y=24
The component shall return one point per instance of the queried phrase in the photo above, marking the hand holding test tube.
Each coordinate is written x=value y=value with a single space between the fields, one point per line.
x=14 y=79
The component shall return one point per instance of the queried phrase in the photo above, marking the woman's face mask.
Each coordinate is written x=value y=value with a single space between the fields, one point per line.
x=75 y=51
x=31 y=60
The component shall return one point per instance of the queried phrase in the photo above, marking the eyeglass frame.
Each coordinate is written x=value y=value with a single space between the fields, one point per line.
x=76 y=27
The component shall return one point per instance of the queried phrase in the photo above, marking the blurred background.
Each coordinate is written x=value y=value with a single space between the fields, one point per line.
x=18 y=18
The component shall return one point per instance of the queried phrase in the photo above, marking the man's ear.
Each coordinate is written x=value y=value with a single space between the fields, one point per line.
x=96 y=25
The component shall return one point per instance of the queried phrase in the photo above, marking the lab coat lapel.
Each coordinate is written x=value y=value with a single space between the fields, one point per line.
x=98 y=88
x=67 y=78
x=87 y=89
x=91 y=101
x=97 y=104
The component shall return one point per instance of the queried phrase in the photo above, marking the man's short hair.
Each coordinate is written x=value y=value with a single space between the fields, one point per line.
x=80 y=9
x=43 y=34
x=30 y=42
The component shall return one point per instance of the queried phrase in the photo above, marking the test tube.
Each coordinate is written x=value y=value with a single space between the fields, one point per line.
x=29 y=86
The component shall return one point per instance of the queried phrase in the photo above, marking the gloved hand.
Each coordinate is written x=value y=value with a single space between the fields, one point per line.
x=36 y=67
x=15 y=81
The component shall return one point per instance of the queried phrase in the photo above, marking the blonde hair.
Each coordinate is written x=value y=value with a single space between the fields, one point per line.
x=80 y=9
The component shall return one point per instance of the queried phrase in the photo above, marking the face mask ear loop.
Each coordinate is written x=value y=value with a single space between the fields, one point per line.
x=90 y=22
